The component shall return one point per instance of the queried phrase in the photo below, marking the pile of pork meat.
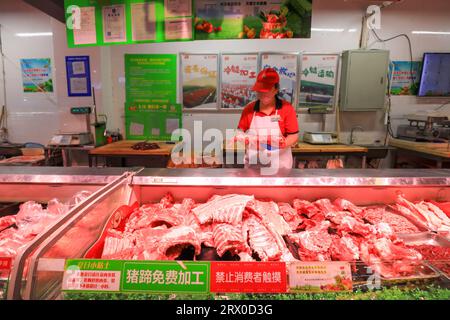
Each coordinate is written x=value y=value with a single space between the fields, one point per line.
x=248 y=229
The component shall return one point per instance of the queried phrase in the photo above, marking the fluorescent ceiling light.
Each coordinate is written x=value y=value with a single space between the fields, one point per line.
x=352 y=30
x=35 y=34
x=327 y=29
x=431 y=32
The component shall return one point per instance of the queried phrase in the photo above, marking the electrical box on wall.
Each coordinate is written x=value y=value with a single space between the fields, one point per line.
x=363 y=80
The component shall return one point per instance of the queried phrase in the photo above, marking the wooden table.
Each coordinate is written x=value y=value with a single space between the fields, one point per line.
x=439 y=152
x=306 y=149
x=38 y=160
x=122 y=149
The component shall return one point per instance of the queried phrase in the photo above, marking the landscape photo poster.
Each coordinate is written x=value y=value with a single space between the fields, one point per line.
x=199 y=74
x=241 y=19
x=238 y=75
x=318 y=80
x=37 y=75
x=286 y=64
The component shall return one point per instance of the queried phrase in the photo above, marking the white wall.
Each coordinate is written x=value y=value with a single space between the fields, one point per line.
x=37 y=117
x=32 y=117
x=67 y=121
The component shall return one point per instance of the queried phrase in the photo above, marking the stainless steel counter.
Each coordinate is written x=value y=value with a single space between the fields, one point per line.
x=295 y=177
x=61 y=175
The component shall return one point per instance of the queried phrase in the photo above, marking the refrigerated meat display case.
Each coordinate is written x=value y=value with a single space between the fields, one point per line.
x=74 y=189
x=76 y=236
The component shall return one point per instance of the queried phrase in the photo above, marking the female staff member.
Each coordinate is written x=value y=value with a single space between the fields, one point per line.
x=270 y=122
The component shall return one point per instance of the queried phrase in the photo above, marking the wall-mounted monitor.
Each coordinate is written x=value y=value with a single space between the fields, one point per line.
x=435 y=78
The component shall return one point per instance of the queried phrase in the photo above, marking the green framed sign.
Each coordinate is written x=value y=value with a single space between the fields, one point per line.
x=116 y=22
x=145 y=121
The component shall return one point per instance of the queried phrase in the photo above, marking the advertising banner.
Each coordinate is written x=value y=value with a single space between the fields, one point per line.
x=318 y=80
x=78 y=76
x=238 y=75
x=37 y=75
x=252 y=19
x=199 y=80
x=286 y=65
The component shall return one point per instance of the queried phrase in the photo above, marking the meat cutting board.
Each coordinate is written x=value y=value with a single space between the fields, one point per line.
x=436 y=149
x=302 y=147
x=124 y=148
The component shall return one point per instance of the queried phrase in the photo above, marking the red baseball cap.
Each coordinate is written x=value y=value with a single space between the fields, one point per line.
x=266 y=80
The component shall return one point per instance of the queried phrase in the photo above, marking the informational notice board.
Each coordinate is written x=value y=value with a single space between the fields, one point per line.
x=78 y=76
x=145 y=121
x=151 y=111
x=110 y=22
x=137 y=276
x=151 y=78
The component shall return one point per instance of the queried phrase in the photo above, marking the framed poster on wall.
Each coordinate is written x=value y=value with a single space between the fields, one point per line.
x=404 y=82
x=199 y=80
x=287 y=65
x=114 y=23
x=37 y=75
x=318 y=80
x=78 y=76
x=238 y=72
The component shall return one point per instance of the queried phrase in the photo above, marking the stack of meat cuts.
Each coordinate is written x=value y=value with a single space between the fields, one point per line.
x=237 y=224
x=249 y=229
x=16 y=231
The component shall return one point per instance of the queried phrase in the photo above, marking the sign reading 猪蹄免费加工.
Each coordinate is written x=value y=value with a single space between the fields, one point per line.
x=78 y=76
x=136 y=276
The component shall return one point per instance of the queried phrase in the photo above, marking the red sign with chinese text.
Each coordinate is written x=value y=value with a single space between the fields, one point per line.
x=5 y=263
x=251 y=277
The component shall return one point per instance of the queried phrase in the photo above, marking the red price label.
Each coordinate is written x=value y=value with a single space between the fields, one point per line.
x=5 y=263
x=252 y=277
